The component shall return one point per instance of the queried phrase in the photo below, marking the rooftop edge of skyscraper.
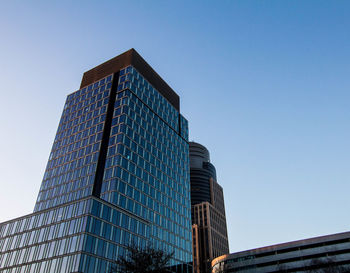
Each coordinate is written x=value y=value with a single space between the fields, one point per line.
x=131 y=57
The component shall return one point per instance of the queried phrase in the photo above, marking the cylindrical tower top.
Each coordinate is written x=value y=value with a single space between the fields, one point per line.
x=198 y=155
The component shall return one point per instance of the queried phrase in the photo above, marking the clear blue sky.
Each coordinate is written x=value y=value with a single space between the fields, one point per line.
x=264 y=84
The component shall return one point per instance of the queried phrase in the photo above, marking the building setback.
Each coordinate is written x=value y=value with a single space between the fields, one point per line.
x=329 y=253
x=209 y=231
x=117 y=174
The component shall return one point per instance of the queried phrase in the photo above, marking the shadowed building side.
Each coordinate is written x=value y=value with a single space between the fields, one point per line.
x=209 y=231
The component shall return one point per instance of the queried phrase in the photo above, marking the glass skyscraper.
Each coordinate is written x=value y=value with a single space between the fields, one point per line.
x=117 y=174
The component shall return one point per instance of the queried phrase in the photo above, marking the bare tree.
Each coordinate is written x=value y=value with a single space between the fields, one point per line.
x=143 y=260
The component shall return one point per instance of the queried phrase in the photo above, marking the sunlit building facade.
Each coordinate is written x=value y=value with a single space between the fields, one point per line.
x=118 y=174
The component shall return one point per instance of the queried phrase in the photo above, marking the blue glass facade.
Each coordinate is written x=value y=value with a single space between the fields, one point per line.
x=81 y=236
x=118 y=174
x=71 y=169
x=48 y=241
x=147 y=165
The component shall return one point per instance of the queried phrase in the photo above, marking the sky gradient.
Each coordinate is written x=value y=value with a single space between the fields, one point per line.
x=264 y=85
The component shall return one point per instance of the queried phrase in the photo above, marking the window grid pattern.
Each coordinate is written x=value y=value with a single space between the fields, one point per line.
x=184 y=127
x=131 y=79
x=70 y=171
x=44 y=242
x=53 y=240
x=147 y=170
x=108 y=232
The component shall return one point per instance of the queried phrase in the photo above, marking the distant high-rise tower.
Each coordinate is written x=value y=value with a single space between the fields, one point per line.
x=209 y=229
x=118 y=174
